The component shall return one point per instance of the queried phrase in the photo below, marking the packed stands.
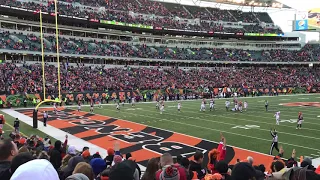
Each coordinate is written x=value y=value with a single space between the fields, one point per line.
x=27 y=78
x=166 y=15
x=98 y=47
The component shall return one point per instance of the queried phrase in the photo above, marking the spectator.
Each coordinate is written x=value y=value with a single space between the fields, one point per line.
x=250 y=160
x=196 y=165
x=243 y=171
x=67 y=171
x=109 y=158
x=36 y=169
x=117 y=159
x=105 y=174
x=170 y=173
x=70 y=153
x=152 y=168
x=55 y=155
x=124 y=171
x=223 y=168
x=85 y=169
x=77 y=176
x=43 y=155
x=213 y=160
x=165 y=161
x=86 y=155
x=8 y=151
x=19 y=160
x=98 y=165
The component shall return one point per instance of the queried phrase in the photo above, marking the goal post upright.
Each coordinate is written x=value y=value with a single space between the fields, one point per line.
x=45 y=100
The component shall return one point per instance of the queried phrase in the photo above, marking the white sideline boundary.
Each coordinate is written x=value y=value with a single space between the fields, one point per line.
x=80 y=143
x=60 y=135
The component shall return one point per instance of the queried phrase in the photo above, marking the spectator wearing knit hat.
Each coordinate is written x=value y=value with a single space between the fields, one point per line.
x=36 y=169
x=170 y=173
x=109 y=157
x=98 y=165
x=167 y=160
x=86 y=155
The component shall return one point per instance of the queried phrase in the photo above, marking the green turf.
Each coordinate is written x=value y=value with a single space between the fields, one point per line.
x=208 y=124
x=25 y=129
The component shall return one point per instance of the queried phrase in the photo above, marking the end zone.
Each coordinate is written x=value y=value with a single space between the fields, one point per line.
x=143 y=142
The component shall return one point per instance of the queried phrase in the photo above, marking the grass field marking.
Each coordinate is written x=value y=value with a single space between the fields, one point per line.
x=231 y=124
x=220 y=99
x=212 y=129
x=317 y=124
x=192 y=136
x=13 y=129
x=226 y=115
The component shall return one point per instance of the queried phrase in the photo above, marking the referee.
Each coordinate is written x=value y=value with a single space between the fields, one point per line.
x=274 y=141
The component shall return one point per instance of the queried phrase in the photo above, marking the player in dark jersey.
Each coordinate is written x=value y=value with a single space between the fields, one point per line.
x=16 y=125
x=274 y=144
x=300 y=120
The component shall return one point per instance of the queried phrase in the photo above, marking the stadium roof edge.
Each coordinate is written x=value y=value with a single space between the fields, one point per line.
x=224 y=5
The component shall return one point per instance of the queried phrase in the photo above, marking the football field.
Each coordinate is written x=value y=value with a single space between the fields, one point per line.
x=144 y=132
x=249 y=129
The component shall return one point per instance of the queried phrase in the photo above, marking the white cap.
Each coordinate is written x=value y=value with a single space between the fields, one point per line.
x=36 y=169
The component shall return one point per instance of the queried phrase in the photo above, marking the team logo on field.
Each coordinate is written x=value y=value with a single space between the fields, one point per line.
x=142 y=141
x=305 y=104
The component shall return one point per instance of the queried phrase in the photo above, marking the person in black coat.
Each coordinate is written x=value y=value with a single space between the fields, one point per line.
x=55 y=155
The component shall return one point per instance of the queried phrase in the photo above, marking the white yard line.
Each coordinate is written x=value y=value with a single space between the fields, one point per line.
x=217 y=130
x=231 y=124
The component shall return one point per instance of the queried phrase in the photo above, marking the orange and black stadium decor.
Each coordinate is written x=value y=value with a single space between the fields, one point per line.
x=141 y=141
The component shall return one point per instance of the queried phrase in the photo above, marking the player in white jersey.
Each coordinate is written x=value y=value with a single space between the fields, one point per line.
x=277 y=115
x=227 y=105
x=122 y=103
x=212 y=104
x=245 y=105
x=79 y=106
x=179 y=107
x=118 y=107
x=161 y=107
x=55 y=107
x=203 y=105
x=235 y=100
x=133 y=102
x=157 y=104
x=240 y=106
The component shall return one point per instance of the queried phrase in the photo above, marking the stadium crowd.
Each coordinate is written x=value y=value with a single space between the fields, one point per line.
x=31 y=42
x=39 y=158
x=28 y=78
x=119 y=11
